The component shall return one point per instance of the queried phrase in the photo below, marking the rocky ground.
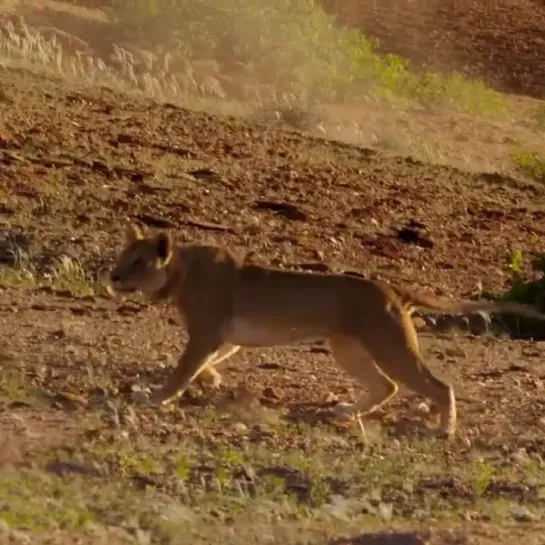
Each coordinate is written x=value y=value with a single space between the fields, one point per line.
x=252 y=462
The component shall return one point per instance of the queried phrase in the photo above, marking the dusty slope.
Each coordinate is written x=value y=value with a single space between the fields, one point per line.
x=101 y=158
x=74 y=164
x=502 y=42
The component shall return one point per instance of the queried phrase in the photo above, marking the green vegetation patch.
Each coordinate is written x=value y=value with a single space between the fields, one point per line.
x=527 y=290
x=530 y=163
x=297 y=47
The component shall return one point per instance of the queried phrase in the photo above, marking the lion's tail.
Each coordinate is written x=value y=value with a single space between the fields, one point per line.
x=412 y=301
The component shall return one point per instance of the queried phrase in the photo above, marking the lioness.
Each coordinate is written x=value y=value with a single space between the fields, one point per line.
x=226 y=303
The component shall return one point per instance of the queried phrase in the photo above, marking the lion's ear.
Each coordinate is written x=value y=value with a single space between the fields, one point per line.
x=164 y=245
x=134 y=233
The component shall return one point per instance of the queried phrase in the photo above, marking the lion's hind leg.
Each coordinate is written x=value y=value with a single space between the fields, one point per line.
x=351 y=355
x=399 y=357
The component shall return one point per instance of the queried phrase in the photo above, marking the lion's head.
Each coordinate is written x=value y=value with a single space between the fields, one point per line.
x=142 y=264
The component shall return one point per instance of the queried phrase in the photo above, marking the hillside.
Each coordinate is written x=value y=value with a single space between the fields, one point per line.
x=355 y=188
x=501 y=42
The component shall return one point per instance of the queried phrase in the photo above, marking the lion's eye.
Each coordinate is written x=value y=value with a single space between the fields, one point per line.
x=137 y=262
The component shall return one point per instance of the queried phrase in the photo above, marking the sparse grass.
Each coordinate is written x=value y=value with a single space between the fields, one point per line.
x=300 y=117
x=66 y=274
x=199 y=487
x=427 y=151
x=222 y=476
x=15 y=276
x=15 y=390
x=530 y=163
x=311 y=56
x=36 y=501
x=526 y=290
x=69 y=275
x=12 y=386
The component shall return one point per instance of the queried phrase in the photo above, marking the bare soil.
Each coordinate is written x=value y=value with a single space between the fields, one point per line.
x=81 y=464
x=500 y=41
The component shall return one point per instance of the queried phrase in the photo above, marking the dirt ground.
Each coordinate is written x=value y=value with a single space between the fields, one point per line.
x=251 y=463
x=500 y=41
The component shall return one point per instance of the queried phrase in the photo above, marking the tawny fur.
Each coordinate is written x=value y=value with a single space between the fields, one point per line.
x=226 y=303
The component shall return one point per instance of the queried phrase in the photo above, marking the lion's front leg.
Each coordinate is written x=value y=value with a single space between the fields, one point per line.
x=209 y=374
x=197 y=355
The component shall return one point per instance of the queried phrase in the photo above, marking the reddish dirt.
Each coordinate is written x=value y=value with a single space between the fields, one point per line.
x=205 y=177
x=501 y=41
x=75 y=164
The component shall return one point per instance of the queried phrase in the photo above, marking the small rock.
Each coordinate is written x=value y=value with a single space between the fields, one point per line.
x=523 y=514
x=316 y=266
x=343 y=508
x=269 y=365
x=423 y=408
x=206 y=174
x=239 y=427
x=386 y=511
x=287 y=210
x=412 y=236
x=271 y=393
x=521 y=456
x=470 y=516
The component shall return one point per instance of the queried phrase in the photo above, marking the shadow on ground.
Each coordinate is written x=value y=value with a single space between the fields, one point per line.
x=397 y=538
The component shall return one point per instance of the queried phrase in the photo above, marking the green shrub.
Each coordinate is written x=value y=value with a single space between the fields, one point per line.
x=296 y=46
x=529 y=292
x=532 y=164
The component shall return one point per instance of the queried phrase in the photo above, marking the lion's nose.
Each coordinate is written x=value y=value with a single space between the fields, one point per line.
x=115 y=277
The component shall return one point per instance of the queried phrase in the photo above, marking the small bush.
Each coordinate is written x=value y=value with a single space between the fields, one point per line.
x=530 y=292
x=531 y=164
x=526 y=291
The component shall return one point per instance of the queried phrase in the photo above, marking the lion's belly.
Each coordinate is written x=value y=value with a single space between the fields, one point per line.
x=244 y=332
